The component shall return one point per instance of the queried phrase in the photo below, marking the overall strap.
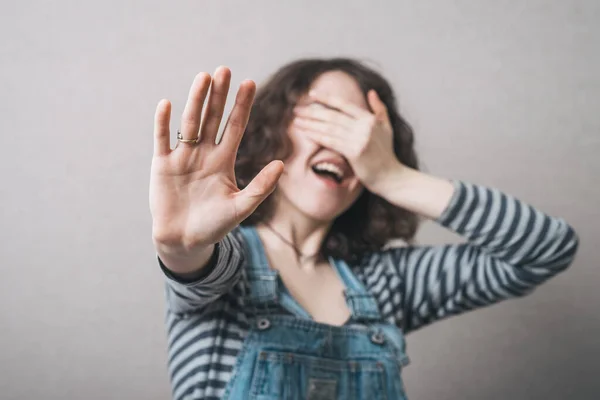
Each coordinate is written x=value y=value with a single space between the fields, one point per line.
x=361 y=303
x=261 y=279
x=264 y=281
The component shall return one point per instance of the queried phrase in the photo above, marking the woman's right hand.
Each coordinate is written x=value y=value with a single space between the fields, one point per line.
x=194 y=198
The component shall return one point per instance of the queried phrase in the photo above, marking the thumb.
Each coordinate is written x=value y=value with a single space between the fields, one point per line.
x=378 y=106
x=259 y=188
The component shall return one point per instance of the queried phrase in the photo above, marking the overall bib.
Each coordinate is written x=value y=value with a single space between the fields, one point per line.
x=293 y=357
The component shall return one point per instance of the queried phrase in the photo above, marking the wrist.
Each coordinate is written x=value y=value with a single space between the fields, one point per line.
x=182 y=261
x=416 y=191
x=389 y=178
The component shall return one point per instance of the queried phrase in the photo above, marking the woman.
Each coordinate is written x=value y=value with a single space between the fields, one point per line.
x=283 y=289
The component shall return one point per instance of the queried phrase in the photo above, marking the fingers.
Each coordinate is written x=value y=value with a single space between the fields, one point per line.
x=213 y=112
x=335 y=102
x=378 y=106
x=328 y=140
x=316 y=126
x=258 y=189
x=323 y=133
x=162 y=118
x=238 y=119
x=320 y=113
x=190 y=120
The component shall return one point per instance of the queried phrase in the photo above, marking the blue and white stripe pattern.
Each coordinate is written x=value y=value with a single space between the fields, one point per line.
x=510 y=248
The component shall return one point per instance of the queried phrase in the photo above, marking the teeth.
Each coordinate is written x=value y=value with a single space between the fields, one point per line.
x=334 y=169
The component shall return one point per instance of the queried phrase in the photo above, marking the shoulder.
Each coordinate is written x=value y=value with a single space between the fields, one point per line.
x=378 y=269
x=385 y=260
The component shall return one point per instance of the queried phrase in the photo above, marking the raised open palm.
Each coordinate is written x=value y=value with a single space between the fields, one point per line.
x=194 y=198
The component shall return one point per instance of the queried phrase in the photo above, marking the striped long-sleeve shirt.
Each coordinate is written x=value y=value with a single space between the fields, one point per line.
x=510 y=248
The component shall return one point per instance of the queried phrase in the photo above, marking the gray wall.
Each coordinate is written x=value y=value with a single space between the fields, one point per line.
x=502 y=92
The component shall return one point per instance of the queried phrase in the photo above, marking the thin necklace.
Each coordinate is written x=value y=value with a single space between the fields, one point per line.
x=300 y=255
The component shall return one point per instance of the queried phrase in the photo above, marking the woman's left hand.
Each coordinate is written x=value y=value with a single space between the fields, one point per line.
x=362 y=137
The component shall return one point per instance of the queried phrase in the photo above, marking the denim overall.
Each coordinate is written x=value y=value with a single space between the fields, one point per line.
x=294 y=357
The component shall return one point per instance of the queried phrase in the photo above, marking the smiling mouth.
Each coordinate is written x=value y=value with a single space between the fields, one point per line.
x=329 y=171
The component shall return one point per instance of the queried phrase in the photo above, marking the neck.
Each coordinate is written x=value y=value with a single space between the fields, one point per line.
x=303 y=235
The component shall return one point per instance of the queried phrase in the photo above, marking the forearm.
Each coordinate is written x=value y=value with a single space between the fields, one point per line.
x=415 y=191
x=510 y=249
x=505 y=226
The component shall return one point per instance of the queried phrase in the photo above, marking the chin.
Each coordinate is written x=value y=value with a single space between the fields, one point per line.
x=323 y=214
x=316 y=198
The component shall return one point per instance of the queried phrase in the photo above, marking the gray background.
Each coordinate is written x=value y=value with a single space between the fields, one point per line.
x=504 y=93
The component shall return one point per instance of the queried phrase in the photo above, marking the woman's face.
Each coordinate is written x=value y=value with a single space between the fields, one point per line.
x=305 y=184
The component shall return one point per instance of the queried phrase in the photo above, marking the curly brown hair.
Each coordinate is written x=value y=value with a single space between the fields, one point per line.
x=371 y=221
